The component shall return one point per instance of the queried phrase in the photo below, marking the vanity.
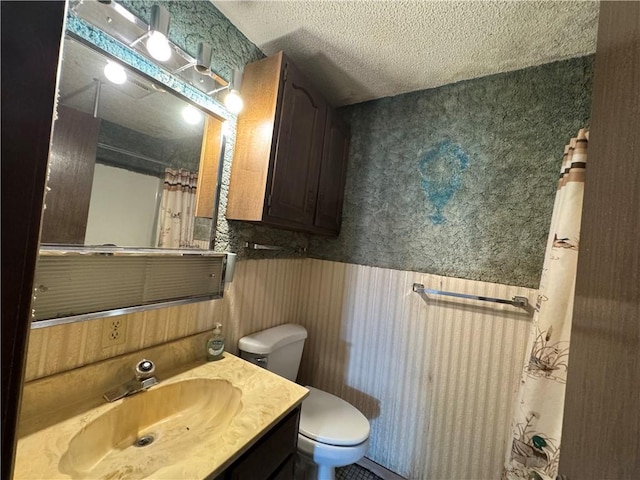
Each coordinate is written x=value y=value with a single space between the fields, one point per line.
x=227 y=419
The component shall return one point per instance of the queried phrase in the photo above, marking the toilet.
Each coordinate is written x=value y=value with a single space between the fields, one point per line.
x=332 y=432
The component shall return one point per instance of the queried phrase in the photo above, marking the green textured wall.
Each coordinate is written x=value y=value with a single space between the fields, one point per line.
x=457 y=180
x=195 y=21
x=460 y=180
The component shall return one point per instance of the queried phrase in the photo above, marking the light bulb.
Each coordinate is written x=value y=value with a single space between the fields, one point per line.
x=158 y=46
x=191 y=115
x=233 y=101
x=115 y=73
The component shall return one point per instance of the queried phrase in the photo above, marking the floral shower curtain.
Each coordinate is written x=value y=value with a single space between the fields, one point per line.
x=177 y=208
x=533 y=453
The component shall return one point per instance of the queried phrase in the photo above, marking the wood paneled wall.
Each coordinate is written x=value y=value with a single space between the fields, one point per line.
x=601 y=430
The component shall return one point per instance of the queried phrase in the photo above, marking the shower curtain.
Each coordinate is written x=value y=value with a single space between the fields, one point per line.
x=534 y=449
x=177 y=209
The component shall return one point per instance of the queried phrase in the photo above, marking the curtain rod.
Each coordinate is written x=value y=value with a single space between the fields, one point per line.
x=132 y=154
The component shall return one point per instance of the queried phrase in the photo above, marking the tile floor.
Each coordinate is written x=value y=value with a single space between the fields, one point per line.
x=355 y=472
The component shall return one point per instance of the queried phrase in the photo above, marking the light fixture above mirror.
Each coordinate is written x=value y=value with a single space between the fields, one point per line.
x=157 y=41
x=156 y=36
x=152 y=41
x=202 y=62
x=203 y=58
x=233 y=100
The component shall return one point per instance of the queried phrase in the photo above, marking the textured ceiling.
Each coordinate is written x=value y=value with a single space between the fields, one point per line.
x=360 y=50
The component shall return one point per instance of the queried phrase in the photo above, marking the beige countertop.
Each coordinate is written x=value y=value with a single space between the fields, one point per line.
x=48 y=425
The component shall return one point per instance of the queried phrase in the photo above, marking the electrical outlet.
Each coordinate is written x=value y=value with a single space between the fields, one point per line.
x=114 y=332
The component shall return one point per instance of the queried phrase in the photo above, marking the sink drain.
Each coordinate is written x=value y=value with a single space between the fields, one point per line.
x=144 y=441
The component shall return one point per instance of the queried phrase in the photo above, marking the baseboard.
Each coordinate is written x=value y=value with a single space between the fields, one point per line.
x=379 y=470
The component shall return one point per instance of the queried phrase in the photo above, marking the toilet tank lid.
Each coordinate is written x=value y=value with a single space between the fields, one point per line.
x=267 y=341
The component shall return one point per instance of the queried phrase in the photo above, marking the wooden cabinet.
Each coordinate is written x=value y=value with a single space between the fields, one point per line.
x=291 y=151
x=335 y=153
x=272 y=457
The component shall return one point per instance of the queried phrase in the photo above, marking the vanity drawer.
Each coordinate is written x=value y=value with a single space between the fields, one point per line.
x=272 y=456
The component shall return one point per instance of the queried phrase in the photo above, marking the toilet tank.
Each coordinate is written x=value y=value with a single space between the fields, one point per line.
x=278 y=349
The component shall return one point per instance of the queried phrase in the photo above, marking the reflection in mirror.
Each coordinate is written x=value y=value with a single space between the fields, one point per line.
x=126 y=158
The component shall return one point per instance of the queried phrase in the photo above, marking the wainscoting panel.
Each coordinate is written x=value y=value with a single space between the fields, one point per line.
x=63 y=347
x=436 y=376
x=264 y=293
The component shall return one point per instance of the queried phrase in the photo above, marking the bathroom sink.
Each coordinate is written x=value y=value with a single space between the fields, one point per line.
x=151 y=429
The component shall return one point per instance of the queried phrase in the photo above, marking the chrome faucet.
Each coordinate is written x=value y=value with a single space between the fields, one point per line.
x=143 y=380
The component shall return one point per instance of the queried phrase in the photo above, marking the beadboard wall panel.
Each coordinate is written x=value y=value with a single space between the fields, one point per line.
x=263 y=294
x=435 y=376
x=64 y=347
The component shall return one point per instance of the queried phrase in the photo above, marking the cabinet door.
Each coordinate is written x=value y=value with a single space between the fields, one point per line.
x=72 y=160
x=332 y=174
x=294 y=176
x=272 y=457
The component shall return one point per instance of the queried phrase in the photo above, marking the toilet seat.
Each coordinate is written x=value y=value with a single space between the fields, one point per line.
x=330 y=420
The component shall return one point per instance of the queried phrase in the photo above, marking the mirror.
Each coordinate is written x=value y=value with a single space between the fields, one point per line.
x=132 y=163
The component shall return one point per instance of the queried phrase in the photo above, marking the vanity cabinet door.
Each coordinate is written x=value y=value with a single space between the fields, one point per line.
x=272 y=457
x=333 y=172
x=296 y=165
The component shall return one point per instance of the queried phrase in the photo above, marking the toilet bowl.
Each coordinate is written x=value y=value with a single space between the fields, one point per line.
x=332 y=432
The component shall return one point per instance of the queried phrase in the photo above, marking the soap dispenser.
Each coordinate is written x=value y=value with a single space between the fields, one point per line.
x=215 y=344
